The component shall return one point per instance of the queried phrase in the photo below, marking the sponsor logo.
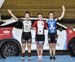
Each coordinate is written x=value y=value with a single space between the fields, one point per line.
x=6 y=32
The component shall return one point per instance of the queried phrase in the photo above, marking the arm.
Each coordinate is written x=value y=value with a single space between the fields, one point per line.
x=10 y=12
x=34 y=25
x=63 y=12
x=45 y=24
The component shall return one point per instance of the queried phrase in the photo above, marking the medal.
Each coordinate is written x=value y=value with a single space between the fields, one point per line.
x=40 y=31
x=26 y=26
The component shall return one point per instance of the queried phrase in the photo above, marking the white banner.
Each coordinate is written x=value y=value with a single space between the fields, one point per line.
x=61 y=41
x=1 y=3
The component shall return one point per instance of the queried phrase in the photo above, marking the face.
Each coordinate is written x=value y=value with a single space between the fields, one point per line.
x=40 y=17
x=51 y=15
x=27 y=16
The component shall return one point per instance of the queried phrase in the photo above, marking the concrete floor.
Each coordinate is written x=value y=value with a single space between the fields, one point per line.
x=59 y=58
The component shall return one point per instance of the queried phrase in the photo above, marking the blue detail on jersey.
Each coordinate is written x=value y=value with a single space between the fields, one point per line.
x=51 y=26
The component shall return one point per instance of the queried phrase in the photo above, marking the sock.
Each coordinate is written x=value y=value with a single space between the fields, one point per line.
x=23 y=54
x=29 y=54
x=39 y=56
x=53 y=55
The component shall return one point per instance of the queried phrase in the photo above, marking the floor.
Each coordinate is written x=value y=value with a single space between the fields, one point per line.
x=59 y=58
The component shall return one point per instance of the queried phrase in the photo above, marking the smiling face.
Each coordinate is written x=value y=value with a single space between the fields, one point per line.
x=27 y=15
x=40 y=17
x=51 y=15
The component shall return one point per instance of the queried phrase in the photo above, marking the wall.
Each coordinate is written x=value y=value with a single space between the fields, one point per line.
x=35 y=6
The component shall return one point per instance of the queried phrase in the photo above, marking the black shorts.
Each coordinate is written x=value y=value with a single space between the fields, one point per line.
x=40 y=37
x=52 y=37
x=26 y=36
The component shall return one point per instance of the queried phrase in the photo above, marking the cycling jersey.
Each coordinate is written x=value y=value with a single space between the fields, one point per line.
x=52 y=25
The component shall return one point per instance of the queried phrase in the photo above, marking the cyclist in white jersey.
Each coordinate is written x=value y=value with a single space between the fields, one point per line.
x=52 y=31
x=26 y=32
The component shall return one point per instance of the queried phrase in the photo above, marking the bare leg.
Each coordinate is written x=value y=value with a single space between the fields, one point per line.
x=50 y=49
x=38 y=50
x=23 y=51
x=54 y=49
x=41 y=50
x=29 y=48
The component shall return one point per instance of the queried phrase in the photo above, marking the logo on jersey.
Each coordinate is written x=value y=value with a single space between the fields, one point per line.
x=52 y=26
x=40 y=27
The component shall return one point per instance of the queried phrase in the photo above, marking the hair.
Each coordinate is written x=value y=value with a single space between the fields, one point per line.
x=27 y=12
x=40 y=14
x=51 y=12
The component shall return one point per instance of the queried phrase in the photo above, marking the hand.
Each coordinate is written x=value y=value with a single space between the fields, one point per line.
x=63 y=12
x=9 y=11
x=63 y=7
x=34 y=28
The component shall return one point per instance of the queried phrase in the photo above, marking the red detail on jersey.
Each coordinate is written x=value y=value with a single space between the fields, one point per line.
x=35 y=24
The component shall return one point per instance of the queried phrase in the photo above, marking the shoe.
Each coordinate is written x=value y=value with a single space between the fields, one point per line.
x=29 y=58
x=23 y=59
x=51 y=57
x=39 y=57
x=54 y=58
